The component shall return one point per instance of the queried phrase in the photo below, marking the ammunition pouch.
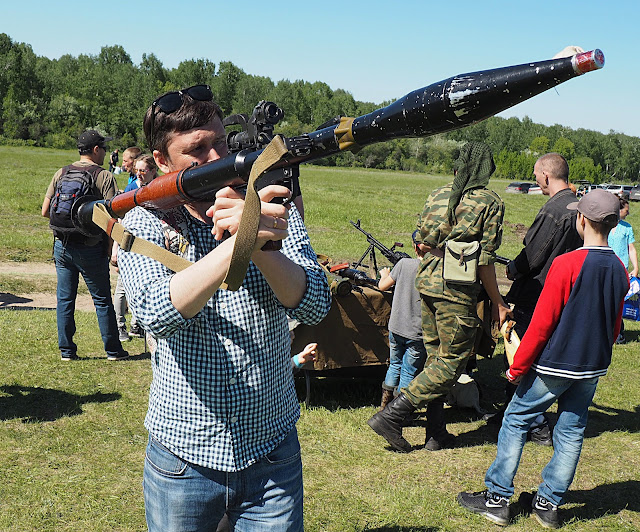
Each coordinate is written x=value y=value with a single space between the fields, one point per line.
x=460 y=263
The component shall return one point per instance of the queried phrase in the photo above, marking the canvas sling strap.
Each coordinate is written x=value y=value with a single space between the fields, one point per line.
x=245 y=237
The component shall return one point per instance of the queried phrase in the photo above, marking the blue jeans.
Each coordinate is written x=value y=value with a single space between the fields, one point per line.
x=535 y=394
x=92 y=262
x=179 y=496
x=406 y=360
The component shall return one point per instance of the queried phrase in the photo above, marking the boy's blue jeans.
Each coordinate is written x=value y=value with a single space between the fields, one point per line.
x=406 y=360
x=535 y=394
x=179 y=497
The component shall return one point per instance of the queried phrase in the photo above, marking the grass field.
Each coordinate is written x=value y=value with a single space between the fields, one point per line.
x=72 y=438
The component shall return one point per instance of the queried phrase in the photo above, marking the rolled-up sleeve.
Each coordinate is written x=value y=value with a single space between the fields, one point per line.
x=316 y=301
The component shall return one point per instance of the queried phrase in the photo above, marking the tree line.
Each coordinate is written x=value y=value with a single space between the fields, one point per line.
x=48 y=102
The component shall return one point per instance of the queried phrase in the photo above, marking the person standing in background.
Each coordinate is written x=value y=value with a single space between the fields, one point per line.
x=76 y=254
x=621 y=240
x=128 y=159
x=407 y=352
x=146 y=171
x=552 y=233
x=466 y=213
x=113 y=160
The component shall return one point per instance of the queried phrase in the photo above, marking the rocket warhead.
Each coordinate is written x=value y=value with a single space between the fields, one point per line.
x=588 y=61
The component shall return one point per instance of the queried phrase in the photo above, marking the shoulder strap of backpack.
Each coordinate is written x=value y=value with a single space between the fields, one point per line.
x=93 y=171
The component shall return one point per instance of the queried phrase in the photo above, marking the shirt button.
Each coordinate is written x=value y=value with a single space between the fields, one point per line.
x=232 y=380
x=228 y=342
x=222 y=305
x=234 y=419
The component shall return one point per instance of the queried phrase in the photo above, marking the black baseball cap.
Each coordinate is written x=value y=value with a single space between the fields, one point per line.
x=91 y=138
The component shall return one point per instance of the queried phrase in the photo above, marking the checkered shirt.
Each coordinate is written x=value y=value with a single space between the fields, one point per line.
x=222 y=394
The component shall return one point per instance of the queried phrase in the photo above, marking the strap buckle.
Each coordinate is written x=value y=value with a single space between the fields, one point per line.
x=127 y=241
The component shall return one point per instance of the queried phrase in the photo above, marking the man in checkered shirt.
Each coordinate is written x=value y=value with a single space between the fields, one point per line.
x=222 y=405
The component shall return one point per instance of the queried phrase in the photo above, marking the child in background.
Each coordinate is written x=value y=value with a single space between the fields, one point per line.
x=308 y=354
x=621 y=240
x=407 y=352
x=584 y=291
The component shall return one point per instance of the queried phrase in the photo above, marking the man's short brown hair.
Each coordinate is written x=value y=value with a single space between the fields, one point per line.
x=555 y=165
x=133 y=152
x=191 y=114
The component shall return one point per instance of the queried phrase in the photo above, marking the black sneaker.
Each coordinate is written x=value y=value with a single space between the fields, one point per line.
x=118 y=356
x=67 y=358
x=123 y=335
x=136 y=331
x=493 y=507
x=541 y=435
x=545 y=512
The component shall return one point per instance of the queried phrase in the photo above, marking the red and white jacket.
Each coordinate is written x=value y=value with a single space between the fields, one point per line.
x=577 y=317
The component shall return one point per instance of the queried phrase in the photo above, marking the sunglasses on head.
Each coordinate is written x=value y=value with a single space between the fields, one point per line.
x=172 y=101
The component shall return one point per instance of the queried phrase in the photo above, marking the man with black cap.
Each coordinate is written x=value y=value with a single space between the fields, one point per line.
x=463 y=219
x=75 y=253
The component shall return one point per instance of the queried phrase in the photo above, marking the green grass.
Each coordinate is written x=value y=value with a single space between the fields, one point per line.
x=25 y=174
x=72 y=438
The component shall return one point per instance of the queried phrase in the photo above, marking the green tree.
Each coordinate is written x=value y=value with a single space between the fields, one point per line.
x=193 y=72
x=249 y=91
x=539 y=145
x=224 y=85
x=583 y=168
x=564 y=147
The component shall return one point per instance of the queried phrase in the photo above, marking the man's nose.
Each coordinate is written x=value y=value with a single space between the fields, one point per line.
x=215 y=154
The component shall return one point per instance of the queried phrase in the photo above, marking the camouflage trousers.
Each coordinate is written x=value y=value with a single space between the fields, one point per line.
x=449 y=332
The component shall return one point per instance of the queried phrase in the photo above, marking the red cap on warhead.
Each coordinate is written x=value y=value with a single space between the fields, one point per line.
x=588 y=61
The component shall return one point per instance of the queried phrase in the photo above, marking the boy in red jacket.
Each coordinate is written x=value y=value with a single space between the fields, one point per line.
x=583 y=287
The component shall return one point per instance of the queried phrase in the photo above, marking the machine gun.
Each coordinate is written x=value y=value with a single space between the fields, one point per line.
x=352 y=279
x=392 y=256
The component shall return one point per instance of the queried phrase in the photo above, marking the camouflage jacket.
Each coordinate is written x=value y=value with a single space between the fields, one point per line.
x=479 y=219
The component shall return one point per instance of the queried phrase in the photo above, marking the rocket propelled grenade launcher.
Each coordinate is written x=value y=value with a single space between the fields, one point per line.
x=443 y=106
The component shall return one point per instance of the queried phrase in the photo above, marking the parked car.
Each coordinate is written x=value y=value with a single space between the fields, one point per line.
x=514 y=188
x=519 y=188
x=619 y=190
x=634 y=193
x=534 y=189
x=586 y=189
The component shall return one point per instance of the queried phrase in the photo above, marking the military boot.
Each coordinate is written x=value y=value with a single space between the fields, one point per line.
x=387 y=397
x=437 y=436
x=388 y=423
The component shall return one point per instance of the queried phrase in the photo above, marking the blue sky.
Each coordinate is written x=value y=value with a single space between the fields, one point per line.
x=375 y=50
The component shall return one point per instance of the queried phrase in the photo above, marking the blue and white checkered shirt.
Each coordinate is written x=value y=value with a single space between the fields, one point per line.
x=222 y=394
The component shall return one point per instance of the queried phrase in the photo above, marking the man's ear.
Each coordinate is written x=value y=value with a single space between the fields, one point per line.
x=161 y=161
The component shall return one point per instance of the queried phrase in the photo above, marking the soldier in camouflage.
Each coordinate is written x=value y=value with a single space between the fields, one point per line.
x=464 y=211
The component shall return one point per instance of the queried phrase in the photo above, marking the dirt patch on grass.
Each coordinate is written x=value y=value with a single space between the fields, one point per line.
x=36 y=271
x=47 y=300
x=519 y=229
